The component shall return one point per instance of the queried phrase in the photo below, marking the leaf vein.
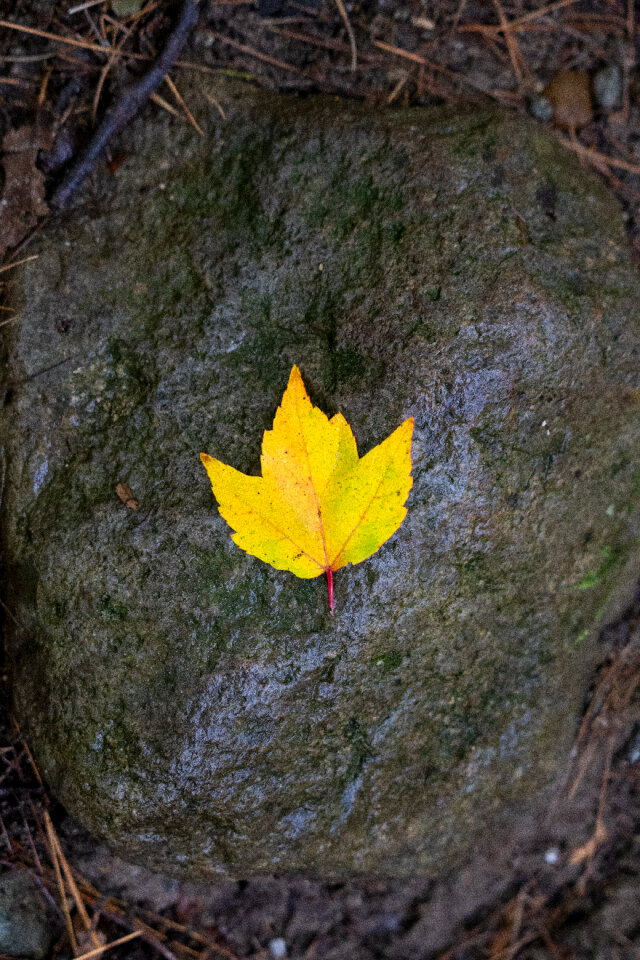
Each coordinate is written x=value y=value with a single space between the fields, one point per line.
x=359 y=522
x=313 y=489
x=285 y=536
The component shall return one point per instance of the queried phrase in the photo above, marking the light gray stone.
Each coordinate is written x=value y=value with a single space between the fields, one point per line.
x=607 y=86
x=27 y=927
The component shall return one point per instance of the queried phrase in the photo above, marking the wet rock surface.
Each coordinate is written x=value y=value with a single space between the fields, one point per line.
x=201 y=711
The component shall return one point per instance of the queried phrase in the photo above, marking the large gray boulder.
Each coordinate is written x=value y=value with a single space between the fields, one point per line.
x=203 y=712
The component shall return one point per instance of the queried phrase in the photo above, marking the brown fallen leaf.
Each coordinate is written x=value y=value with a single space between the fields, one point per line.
x=22 y=202
x=126 y=494
x=569 y=93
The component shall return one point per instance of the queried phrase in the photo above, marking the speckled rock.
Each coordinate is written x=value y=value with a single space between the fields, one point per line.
x=201 y=711
x=27 y=924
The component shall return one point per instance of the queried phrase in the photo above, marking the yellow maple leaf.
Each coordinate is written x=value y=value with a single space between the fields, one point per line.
x=317 y=506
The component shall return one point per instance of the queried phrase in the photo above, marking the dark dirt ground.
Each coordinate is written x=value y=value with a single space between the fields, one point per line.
x=570 y=885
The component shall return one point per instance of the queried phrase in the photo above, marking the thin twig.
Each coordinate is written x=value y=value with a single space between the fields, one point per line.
x=631 y=21
x=13 y=82
x=129 y=104
x=212 y=100
x=103 y=76
x=316 y=40
x=252 y=52
x=430 y=64
x=174 y=90
x=97 y=48
x=84 y=6
x=510 y=40
x=107 y=946
x=75 y=893
x=43 y=87
x=24 y=743
x=518 y=22
x=352 y=39
x=34 y=58
x=63 y=896
x=18 y=263
x=2 y=603
x=397 y=90
x=161 y=102
x=32 y=845
x=599 y=159
x=5 y=836
x=71 y=41
x=147 y=934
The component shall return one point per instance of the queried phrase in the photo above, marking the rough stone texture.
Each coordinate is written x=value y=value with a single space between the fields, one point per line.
x=201 y=711
x=27 y=927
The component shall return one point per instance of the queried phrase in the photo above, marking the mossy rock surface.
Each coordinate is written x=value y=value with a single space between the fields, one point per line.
x=203 y=712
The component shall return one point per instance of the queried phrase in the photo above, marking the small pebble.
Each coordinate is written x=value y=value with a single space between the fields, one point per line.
x=424 y=23
x=27 y=928
x=634 y=750
x=278 y=948
x=541 y=109
x=569 y=94
x=607 y=87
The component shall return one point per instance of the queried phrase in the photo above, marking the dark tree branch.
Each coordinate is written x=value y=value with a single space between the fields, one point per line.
x=128 y=105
